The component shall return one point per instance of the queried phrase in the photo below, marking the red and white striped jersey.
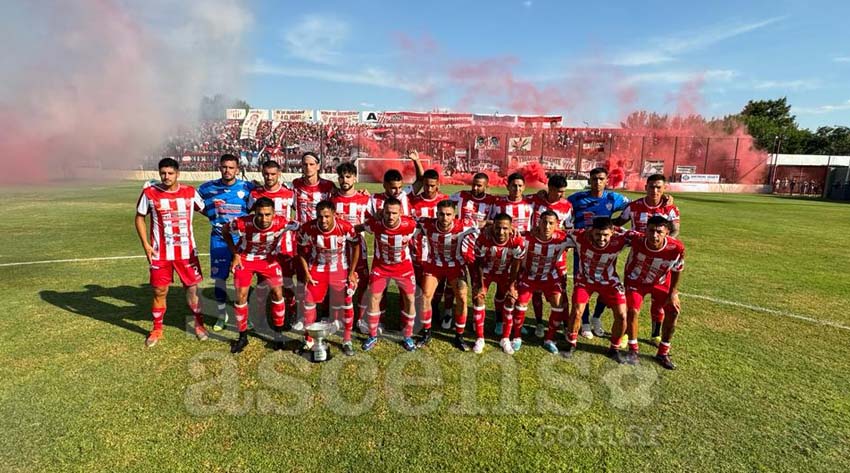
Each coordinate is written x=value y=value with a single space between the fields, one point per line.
x=563 y=208
x=307 y=196
x=325 y=252
x=172 y=214
x=638 y=212
x=598 y=265
x=521 y=211
x=353 y=208
x=473 y=209
x=376 y=202
x=648 y=266
x=542 y=256
x=392 y=245
x=452 y=248
x=496 y=259
x=257 y=243
x=420 y=207
x=283 y=199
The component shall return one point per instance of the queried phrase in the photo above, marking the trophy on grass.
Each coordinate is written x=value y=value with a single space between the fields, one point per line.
x=319 y=331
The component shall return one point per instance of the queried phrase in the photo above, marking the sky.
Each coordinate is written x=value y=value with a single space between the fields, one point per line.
x=592 y=62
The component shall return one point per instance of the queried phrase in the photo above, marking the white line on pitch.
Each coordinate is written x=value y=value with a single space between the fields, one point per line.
x=767 y=311
x=78 y=260
x=695 y=296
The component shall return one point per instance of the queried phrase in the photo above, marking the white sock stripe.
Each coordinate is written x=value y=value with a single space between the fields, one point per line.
x=408 y=316
x=278 y=302
x=479 y=307
x=460 y=326
x=309 y=307
x=557 y=310
x=239 y=306
x=371 y=314
x=499 y=300
x=522 y=307
x=508 y=308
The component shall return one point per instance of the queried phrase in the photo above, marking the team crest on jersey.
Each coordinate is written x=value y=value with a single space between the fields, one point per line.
x=240 y=194
x=609 y=206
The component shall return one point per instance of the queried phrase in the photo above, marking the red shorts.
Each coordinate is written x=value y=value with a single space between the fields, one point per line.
x=609 y=294
x=660 y=292
x=287 y=265
x=441 y=273
x=401 y=273
x=548 y=287
x=267 y=270
x=502 y=282
x=188 y=270
x=336 y=281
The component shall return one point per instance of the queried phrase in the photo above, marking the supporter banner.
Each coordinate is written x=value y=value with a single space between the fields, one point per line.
x=338 y=117
x=444 y=119
x=370 y=117
x=652 y=167
x=487 y=142
x=588 y=164
x=494 y=119
x=701 y=178
x=593 y=145
x=284 y=115
x=460 y=153
x=519 y=144
x=236 y=113
x=519 y=161
x=404 y=118
x=251 y=123
x=686 y=169
x=540 y=120
x=558 y=163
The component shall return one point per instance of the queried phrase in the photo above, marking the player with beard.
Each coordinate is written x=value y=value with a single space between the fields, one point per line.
x=551 y=199
x=521 y=209
x=352 y=204
x=654 y=267
x=499 y=252
x=545 y=245
x=394 y=187
x=393 y=233
x=170 y=245
x=283 y=199
x=656 y=202
x=259 y=237
x=225 y=198
x=450 y=243
x=310 y=188
x=424 y=205
x=328 y=252
x=596 y=272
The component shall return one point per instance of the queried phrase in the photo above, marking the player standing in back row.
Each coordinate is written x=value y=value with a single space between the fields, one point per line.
x=170 y=245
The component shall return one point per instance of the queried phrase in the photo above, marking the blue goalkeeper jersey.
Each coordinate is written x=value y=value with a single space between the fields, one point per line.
x=223 y=203
x=586 y=207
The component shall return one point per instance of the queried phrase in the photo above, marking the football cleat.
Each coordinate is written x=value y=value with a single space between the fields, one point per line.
x=568 y=353
x=153 y=338
x=460 y=344
x=616 y=355
x=239 y=344
x=369 y=343
x=479 y=345
x=408 y=344
x=596 y=324
x=540 y=330
x=201 y=332
x=424 y=339
x=446 y=323
x=516 y=344
x=505 y=343
x=665 y=361
x=347 y=349
x=586 y=332
x=550 y=346
x=220 y=324
x=632 y=358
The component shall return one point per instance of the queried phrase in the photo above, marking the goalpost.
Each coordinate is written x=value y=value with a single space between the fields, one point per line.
x=372 y=169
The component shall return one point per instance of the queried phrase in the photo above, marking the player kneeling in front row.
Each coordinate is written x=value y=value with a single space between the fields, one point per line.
x=545 y=245
x=259 y=237
x=449 y=243
x=393 y=233
x=653 y=267
x=324 y=246
x=498 y=256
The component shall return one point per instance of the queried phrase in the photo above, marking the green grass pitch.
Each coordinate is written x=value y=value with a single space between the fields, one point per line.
x=764 y=388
